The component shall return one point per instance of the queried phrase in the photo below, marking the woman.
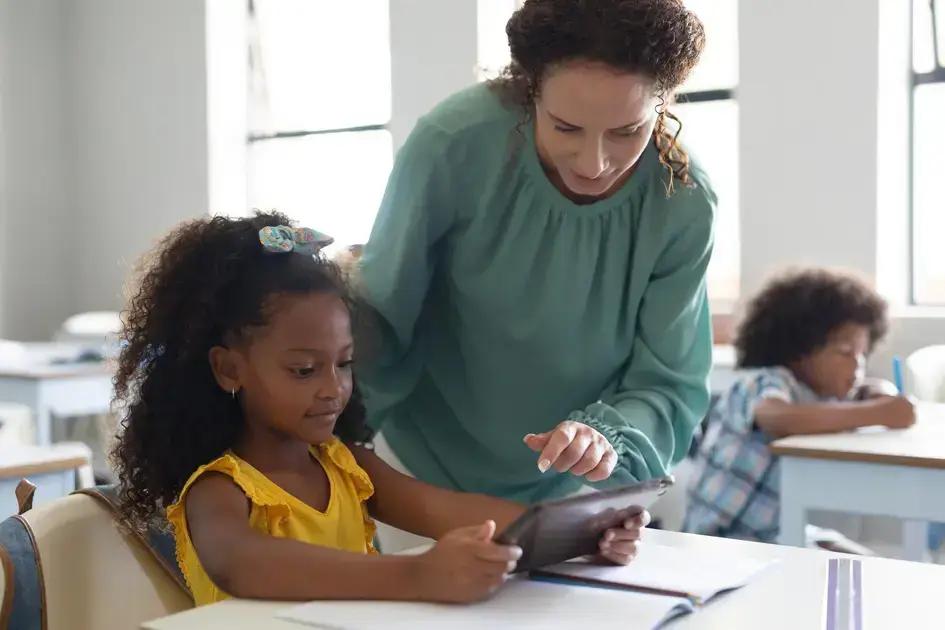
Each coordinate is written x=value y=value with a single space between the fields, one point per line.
x=537 y=267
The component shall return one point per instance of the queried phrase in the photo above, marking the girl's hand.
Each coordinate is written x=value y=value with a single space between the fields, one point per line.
x=576 y=448
x=619 y=545
x=466 y=566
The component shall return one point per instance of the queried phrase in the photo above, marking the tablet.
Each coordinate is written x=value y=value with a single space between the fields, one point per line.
x=555 y=531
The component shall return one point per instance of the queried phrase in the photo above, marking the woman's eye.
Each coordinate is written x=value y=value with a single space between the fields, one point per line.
x=347 y=365
x=566 y=129
x=627 y=133
x=303 y=371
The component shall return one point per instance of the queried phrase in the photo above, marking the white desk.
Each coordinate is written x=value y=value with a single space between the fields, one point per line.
x=872 y=471
x=49 y=389
x=55 y=471
x=787 y=596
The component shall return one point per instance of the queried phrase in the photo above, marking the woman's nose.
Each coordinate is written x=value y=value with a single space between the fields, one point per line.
x=591 y=161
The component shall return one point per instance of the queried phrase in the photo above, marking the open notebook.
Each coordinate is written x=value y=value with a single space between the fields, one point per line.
x=660 y=584
x=520 y=604
x=664 y=570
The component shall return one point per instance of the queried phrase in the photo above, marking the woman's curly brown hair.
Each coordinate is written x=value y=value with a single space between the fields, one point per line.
x=207 y=283
x=795 y=314
x=660 y=39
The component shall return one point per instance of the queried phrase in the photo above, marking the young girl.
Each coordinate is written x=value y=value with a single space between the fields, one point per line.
x=803 y=344
x=242 y=419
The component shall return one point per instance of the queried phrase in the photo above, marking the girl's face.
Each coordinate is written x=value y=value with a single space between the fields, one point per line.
x=295 y=373
x=835 y=369
x=591 y=126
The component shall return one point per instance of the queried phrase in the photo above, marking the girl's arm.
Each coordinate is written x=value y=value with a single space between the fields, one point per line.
x=464 y=566
x=412 y=505
x=779 y=419
x=421 y=508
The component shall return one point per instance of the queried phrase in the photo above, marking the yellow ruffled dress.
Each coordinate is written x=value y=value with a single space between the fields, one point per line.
x=345 y=523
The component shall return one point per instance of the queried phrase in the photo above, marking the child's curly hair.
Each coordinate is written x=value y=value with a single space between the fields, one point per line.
x=207 y=281
x=796 y=312
x=660 y=39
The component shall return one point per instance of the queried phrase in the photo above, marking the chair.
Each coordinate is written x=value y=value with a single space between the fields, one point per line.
x=94 y=575
x=925 y=373
x=95 y=326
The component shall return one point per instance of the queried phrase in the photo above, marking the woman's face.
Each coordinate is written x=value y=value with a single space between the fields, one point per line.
x=591 y=126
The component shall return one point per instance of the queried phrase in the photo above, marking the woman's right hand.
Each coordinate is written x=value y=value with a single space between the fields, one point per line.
x=896 y=412
x=465 y=565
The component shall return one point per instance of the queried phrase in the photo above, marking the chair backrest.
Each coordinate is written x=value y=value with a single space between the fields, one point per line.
x=925 y=373
x=6 y=595
x=94 y=574
x=93 y=326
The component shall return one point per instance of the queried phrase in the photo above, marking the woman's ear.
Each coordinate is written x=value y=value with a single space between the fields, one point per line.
x=224 y=363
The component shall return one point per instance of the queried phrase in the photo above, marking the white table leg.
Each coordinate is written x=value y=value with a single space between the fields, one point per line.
x=915 y=541
x=43 y=424
x=793 y=515
x=793 y=520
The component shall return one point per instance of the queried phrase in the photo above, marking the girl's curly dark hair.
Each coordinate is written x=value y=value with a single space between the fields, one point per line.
x=207 y=281
x=796 y=312
x=660 y=39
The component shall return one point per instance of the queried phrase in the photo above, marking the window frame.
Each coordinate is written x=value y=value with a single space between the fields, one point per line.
x=934 y=76
x=253 y=137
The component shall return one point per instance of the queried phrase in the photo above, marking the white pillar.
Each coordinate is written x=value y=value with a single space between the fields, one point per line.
x=808 y=112
x=433 y=54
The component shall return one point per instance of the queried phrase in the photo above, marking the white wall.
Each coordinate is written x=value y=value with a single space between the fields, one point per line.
x=807 y=99
x=433 y=54
x=823 y=105
x=137 y=76
x=37 y=211
x=103 y=147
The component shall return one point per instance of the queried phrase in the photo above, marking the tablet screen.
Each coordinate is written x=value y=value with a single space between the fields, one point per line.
x=556 y=531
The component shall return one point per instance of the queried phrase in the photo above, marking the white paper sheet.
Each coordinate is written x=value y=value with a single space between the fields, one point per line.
x=520 y=604
x=671 y=569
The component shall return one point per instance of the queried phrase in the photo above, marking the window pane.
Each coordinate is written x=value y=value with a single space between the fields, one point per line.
x=710 y=132
x=929 y=195
x=718 y=67
x=492 y=42
x=325 y=65
x=923 y=55
x=332 y=183
x=940 y=30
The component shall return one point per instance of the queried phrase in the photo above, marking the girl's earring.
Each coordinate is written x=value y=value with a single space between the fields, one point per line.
x=233 y=393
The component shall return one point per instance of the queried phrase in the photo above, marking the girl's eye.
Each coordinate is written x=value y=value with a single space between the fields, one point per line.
x=303 y=372
x=565 y=129
x=347 y=365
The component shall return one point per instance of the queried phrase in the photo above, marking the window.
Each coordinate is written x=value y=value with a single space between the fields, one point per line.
x=491 y=41
x=928 y=151
x=319 y=107
x=709 y=113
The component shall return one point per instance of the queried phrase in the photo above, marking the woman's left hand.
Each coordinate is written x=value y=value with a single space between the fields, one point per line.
x=619 y=545
x=576 y=448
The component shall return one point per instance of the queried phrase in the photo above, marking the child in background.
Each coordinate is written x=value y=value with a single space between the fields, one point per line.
x=242 y=419
x=803 y=346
